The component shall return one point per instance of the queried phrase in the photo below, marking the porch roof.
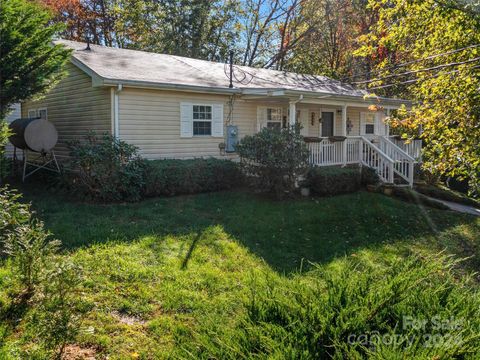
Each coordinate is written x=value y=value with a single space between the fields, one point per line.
x=309 y=97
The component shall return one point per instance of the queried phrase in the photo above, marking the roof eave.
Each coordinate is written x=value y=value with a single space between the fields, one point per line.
x=170 y=86
x=389 y=102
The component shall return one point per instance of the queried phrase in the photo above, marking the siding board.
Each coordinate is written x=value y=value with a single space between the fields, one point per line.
x=74 y=107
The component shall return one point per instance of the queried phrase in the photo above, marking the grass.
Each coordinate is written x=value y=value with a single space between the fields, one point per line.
x=167 y=277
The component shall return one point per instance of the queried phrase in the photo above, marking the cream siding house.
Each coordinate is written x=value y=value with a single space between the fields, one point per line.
x=175 y=107
x=15 y=113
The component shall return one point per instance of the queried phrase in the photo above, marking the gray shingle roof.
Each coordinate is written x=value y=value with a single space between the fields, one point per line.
x=140 y=66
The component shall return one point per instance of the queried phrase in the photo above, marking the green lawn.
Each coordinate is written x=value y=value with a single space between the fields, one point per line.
x=164 y=273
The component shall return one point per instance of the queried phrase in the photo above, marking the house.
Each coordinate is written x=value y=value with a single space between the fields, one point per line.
x=15 y=113
x=177 y=107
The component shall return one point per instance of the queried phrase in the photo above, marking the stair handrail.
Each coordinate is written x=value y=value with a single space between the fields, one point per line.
x=375 y=147
x=408 y=176
x=383 y=156
x=398 y=148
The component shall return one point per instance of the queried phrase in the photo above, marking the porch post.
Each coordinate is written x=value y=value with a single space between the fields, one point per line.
x=292 y=113
x=387 y=128
x=344 y=133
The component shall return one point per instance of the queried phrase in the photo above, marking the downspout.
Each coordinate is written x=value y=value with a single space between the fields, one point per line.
x=116 y=104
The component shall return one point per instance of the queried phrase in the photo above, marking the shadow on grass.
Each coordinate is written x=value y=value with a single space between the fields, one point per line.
x=282 y=233
x=190 y=250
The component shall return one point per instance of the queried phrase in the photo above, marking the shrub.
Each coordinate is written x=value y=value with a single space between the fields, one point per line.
x=446 y=194
x=274 y=159
x=332 y=180
x=29 y=248
x=4 y=134
x=13 y=213
x=24 y=240
x=369 y=176
x=174 y=177
x=417 y=198
x=43 y=290
x=55 y=319
x=107 y=169
x=351 y=309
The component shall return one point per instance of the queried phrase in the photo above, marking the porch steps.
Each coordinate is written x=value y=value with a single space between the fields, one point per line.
x=392 y=164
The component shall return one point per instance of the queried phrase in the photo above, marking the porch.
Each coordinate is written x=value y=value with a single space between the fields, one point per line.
x=340 y=132
x=389 y=156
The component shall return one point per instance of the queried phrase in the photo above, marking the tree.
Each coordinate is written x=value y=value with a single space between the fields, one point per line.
x=202 y=29
x=29 y=62
x=440 y=47
x=327 y=49
x=269 y=31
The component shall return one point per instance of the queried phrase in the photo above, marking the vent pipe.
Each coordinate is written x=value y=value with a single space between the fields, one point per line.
x=231 y=69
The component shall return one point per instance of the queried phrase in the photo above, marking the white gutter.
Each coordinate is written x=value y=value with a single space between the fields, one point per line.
x=116 y=105
x=360 y=99
x=169 y=86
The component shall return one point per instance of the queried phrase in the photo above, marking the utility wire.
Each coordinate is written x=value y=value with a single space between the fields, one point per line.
x=420 y=79
x=394 y=67
x=418 y=71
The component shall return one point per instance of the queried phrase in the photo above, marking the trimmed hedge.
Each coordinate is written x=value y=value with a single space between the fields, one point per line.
x=412 y=196
x=175 y=177
x=333 y=180
x=369 y=176
x=446 y=194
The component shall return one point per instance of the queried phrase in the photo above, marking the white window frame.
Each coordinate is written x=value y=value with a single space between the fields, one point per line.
x=42 y=109
x=34 y=113
x=334 y=111
x=202 y=120
x=217 y=120
x=363 y=123
x=270 y=121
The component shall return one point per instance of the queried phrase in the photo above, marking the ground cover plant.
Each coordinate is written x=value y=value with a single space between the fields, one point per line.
x=226 y=274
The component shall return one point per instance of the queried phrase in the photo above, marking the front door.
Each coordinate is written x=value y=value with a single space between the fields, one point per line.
x=327 y=123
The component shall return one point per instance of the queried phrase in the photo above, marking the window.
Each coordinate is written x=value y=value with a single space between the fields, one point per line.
x=42 y=113
x=274 y=118
x=368 y=123
x=32 y=113
x=202 y=120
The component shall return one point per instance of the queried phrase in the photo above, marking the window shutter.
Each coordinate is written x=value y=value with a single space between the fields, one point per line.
x=261 y=117
x=186 y=120
x=217 y=120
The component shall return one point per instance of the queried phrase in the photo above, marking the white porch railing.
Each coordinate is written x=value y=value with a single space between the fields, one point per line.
x=372 y=156
x=326 y=153
x=383 y=155
x=403 y=163
x=412 y=148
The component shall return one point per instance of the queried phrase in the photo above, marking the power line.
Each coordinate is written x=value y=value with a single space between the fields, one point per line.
x=394 y=67
x=408 y=82
x=418 y=71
